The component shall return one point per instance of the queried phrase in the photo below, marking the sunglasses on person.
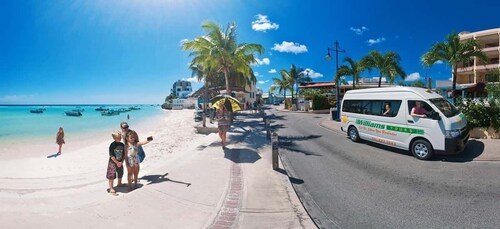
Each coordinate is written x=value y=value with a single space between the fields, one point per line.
x=125 y=127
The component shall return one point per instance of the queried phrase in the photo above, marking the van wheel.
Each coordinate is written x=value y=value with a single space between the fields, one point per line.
x=422 y=149
x=353 y=134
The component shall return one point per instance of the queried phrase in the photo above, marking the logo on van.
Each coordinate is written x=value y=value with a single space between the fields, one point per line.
x=389 y=127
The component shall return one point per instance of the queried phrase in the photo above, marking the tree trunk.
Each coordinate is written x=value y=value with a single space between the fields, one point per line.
x=226 y=77
x=354 y=82
x=454 y=84
x=380 y=80
x=292 y=96
x=205 y=104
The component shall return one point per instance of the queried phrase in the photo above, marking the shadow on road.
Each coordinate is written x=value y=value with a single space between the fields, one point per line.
x=237 y=155
x=290 y=143
x=473 y=150
x=293 y=180
x=155 y=179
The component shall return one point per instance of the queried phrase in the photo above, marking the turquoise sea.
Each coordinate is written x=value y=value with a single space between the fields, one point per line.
x=17 y=123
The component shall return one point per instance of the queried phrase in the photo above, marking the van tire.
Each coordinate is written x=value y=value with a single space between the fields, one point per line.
x=353 y=134
x=422 y=149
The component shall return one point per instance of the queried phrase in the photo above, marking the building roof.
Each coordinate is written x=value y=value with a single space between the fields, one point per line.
x=317 y=85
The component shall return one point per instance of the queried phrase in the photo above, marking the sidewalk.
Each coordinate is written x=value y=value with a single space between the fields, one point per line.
x=477 y=149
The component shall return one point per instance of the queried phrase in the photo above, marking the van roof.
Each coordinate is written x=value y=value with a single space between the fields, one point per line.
x=425 y=93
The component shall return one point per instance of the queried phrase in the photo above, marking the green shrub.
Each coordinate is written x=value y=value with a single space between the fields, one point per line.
x=320 y=102
x=478 y=114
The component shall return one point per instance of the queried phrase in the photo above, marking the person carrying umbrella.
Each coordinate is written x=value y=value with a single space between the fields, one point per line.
x=223 y=123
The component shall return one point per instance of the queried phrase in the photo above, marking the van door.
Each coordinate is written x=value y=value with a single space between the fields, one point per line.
x=421 y=126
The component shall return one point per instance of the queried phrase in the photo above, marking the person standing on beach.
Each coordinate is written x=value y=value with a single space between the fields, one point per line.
x=132 y=158
x=126 y=131
x=223 y=124
x=60 y=139
x=115 y=163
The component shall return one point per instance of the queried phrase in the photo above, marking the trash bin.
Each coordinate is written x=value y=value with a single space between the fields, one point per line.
x=333 y=112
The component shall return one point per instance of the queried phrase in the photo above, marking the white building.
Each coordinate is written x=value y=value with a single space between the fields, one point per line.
x=181 y=89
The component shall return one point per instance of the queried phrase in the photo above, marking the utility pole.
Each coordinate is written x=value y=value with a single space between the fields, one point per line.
x=337 y=49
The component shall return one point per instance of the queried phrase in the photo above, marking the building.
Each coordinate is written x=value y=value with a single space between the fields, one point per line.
x=476 y=71
x=181 y=89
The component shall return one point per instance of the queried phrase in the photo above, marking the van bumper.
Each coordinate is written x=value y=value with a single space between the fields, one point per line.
x=455 y=145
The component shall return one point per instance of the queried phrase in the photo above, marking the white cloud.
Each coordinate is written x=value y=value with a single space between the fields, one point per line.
x=450 y=79
x=312 y=73
x=272 y=71
x=261 y=82
x=292 y=47
x=439 y=62
x=375 y=41
x=263 y=24
x=256 y=74
x=413 y=77
x=359 y=31
x=264 y=61
x=191 y=79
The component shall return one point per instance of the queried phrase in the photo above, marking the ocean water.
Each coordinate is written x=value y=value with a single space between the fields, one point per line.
x=17 y=123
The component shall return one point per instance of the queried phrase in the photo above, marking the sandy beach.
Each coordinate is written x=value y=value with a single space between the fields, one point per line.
x=36 y=186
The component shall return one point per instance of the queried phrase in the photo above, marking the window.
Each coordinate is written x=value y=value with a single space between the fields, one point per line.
x=372 y=107
x=445 y=107
x=427 y=108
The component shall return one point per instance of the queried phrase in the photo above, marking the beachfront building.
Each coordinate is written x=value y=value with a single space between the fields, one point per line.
x=475 y=71
x=243 y=94
x=182 y=88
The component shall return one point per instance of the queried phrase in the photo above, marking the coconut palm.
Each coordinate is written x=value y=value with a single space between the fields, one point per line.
x=388 y=65
x=294 y=76
x=208 y=75
x=282 y=85
x=454 y=52
x=354 y=69
x=220 y=50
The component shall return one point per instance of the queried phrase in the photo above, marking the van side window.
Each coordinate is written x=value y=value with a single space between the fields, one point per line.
x=372 y=107
x=423 y=109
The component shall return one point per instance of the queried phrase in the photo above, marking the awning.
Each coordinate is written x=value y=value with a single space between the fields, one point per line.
x=318 y=85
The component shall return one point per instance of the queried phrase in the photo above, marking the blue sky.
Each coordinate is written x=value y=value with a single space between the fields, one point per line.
x=129 y=51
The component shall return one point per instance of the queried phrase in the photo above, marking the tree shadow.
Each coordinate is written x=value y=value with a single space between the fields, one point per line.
x=290 y=143
x=155 y=179
x=241 y=155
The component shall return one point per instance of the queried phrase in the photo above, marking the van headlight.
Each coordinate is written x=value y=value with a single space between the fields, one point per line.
x=451 y=133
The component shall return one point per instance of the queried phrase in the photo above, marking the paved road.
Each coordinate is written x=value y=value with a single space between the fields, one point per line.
x=360 y=185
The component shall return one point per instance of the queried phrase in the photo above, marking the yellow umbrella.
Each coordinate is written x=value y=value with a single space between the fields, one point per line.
x=230 y=103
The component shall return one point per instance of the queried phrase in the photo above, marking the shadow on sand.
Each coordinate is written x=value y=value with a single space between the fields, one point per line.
x=155 y=179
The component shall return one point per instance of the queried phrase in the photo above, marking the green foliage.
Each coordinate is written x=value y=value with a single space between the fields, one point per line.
x=478 y=114
x=493 y=90
x=310 y=93
x=387 y=64
x=320 y=102
x=418 y=84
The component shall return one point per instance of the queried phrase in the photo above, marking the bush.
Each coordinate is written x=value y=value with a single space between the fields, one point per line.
x=480 y=113
x=320 y=102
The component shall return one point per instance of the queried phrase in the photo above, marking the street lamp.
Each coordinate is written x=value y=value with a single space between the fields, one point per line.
x=328 y=57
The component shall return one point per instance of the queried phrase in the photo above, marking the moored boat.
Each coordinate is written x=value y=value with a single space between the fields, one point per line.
x=101 y=109
x=73 y=113
x=121 y=110
x=109 y=113
x=36 y=111
x=134 y=108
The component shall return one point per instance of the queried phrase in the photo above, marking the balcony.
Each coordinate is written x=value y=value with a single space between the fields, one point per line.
x=465 y=69
x=490 y=49
x=490 y=66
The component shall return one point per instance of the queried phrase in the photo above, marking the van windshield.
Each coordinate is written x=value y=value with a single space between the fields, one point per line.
x=448 y=109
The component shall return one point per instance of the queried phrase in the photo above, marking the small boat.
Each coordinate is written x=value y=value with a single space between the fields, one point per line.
x=121 y=110
x=73 y=113
x=134 y=108
x=79 y=109
x=101 y=109
x=109 y=113
x=36 y=111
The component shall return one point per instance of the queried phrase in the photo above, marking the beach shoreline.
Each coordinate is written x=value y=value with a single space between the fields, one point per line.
x=44 y=146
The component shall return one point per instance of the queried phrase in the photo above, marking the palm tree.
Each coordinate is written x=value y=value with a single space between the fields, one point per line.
x=208 y=75
x=294 y=76
x=282 y=85
x=354 y=69
x=220 y=50
x=454 y=52
x=387 y=64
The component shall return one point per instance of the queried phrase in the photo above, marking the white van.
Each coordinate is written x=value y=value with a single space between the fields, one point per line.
x=383 y=115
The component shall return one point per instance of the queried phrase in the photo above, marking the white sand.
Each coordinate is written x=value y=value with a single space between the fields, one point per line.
x=40 y=185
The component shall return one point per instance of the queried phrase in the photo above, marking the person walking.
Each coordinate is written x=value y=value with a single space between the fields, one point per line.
x=223 y=124
x=60 y=139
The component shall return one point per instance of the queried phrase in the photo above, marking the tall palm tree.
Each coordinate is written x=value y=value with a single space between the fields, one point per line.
x=354 y=69
x=454 y=52
x=388 y=65
x=220 y=50
x=208 y=75
x=282 y=85
x=294 y=76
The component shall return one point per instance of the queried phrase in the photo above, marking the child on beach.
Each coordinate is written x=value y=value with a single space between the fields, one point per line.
x=132 y=158
x=60 y=139
x=116 y=155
